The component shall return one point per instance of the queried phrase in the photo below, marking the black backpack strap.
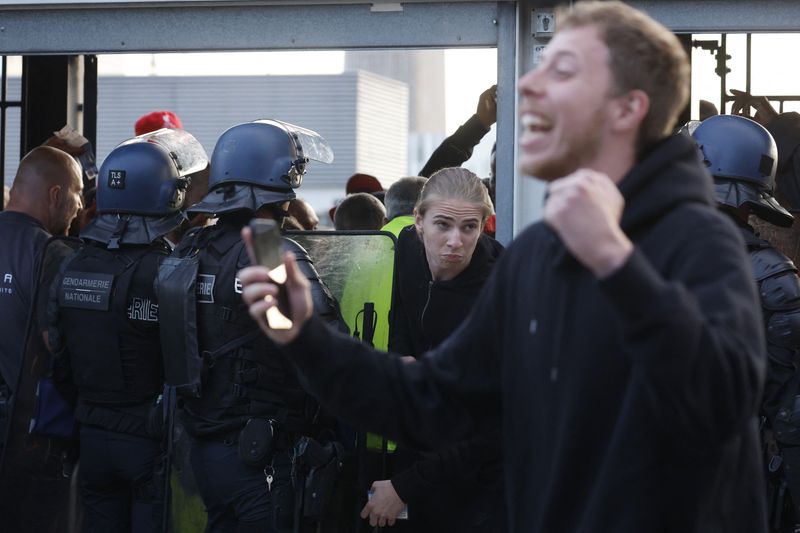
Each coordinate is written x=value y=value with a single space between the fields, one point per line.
x=231 y=345
x=119 y=231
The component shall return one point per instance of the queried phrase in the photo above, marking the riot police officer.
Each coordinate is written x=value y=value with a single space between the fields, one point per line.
x=249 y=420
x=105 y=332
x=742 y=157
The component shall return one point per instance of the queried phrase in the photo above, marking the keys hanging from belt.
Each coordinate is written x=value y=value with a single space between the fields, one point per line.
x=268 y=474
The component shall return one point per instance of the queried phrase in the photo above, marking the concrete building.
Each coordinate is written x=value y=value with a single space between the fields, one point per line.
x=424 y=73
x=364 y=117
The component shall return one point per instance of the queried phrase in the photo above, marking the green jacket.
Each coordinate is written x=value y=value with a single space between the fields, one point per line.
x=397 y=224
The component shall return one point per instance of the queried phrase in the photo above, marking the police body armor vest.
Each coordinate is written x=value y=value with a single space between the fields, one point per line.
x=779 y=291
x=243 y=374
x=109 y=330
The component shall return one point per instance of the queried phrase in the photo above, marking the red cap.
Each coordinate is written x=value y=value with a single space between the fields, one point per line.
x=490 y=228
x=157 y=120
x=363 y=183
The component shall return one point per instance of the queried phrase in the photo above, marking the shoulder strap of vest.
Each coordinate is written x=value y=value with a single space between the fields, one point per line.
x=218 y=239
x=119 y=231
x=232 y=345
x=224 y=241
x=186 y=244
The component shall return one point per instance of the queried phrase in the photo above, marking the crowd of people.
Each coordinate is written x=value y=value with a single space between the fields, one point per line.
x=629 y=363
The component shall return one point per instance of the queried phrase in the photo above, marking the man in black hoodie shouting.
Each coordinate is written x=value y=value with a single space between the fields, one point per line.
x=619 y=340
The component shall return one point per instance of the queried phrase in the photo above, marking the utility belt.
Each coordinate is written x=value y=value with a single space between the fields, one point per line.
x=314 y=466
x=142 y=420
x=255 y=394
x=267 y=432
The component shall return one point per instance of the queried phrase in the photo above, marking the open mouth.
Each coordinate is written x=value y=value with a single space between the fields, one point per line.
x=533 y=123
x=535 y=131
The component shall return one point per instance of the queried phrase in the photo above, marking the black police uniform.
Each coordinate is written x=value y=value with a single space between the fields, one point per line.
x=23 y=239
x=779 y=288
x=106 y=337
x=37 y=459
x=245 y=379
x=742 y=156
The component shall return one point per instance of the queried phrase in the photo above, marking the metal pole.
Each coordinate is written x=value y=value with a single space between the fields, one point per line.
x=749 y=62
x=723 y=89
x=506 y=119
x=3 y=128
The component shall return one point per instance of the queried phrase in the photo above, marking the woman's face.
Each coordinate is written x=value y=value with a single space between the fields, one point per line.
x=449 y=230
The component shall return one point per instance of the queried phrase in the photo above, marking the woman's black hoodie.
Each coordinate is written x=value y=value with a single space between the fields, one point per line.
x=426 y=312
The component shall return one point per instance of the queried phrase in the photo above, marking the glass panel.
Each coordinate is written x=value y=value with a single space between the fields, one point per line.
x=358 y=269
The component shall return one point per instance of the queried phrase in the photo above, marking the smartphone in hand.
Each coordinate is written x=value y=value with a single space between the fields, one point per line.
x=266 y=243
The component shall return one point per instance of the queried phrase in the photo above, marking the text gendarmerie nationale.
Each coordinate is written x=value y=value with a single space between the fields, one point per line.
x=87 y=284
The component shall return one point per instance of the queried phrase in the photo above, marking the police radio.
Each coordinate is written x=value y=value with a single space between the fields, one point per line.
x=266 y=244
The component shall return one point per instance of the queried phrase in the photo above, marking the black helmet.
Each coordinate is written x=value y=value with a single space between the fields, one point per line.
x=259 y=163
x=148 y=175
x=742 y=157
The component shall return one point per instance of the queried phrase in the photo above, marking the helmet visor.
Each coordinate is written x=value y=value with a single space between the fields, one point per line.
x=187 y=152
x=309 y=143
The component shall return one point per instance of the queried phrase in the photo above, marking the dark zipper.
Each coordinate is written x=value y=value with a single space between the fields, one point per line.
x=424 y=309
x=557 y=340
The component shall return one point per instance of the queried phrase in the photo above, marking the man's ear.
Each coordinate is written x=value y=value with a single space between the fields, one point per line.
x=628 y=110
x=54 y=196
x=418 y=221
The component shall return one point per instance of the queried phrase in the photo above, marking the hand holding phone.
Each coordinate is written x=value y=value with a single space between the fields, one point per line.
x=266 y=244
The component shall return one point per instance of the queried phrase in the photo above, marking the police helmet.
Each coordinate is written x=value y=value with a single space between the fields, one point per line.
x=742 y=157
x=148 y=175
x=259 y=163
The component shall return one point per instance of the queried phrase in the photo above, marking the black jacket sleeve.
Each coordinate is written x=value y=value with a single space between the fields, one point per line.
x=457 y=148
x=438 y=400
x=695 y=336
x=462 y=464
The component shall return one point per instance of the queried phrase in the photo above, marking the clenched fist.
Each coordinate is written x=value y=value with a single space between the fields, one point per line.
x=584 y=209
